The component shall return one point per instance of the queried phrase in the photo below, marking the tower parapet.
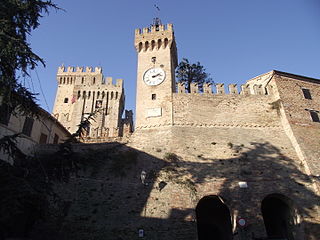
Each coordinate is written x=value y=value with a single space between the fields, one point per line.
x=207 y=89
x=62 y=70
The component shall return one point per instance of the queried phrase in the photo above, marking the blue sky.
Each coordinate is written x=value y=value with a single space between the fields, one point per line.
x=235 y=40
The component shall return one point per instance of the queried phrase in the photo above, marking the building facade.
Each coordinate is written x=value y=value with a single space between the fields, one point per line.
x=218 y=164
x=84 y=91
x=44 y=129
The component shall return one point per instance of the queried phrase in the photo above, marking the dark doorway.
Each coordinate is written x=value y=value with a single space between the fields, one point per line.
x=278 y=217
x=213 y=219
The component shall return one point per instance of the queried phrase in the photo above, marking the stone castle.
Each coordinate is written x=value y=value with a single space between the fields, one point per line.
x=236 y=165
x=82 y=92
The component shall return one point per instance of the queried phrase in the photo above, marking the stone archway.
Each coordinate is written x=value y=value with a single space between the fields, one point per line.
x=213 y=219
x=278 y=216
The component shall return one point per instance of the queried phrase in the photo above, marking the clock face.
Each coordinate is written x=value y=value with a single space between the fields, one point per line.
x=154 y=76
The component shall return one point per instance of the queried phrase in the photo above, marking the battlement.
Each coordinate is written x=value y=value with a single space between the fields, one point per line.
x=154 y=29
x=79 y=70
x=219 y=89
x=109 y=82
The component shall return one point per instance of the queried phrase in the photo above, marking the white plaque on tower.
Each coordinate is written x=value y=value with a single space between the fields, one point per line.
x=154 y=112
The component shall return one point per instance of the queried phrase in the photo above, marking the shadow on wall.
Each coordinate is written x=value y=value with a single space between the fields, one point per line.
x=107 y=197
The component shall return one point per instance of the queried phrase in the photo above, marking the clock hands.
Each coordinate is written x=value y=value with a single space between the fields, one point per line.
x=159 y=74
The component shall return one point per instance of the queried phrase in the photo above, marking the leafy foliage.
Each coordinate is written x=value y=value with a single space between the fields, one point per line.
x=188 y=73
x=17 y=19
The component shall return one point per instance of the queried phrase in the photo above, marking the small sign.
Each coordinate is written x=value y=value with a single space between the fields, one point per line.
x=154 y=112
x=243 y=185
x=242 y=222
x=141 y=233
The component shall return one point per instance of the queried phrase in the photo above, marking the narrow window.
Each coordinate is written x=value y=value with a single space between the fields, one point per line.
x=89 y=94
x=111 y=96
x=79 y=94
x=94 y=80
x=159 y=43
x=166 y=41
x=153 y=96
x=66 y=100
x=140 y=46
x=64 y=80
x=153 y=44
x=315 y=117
x=116 y=95
x=61 y=80
x=27 y=126
x=5 y=114
x=306 y=93
x=55 y=139
x=43 y=138
x=82 y=80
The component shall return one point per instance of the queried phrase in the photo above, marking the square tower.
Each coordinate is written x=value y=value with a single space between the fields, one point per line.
x=157 y=60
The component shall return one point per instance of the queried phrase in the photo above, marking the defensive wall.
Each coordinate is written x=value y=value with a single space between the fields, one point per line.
x=244 y=147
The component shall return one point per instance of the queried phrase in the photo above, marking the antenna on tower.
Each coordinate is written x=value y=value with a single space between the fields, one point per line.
x=156 y=20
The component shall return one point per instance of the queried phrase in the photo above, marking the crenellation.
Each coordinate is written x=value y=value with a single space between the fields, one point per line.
x=220 y=88
x=145 y=30
x=245 y=90
x=79 y=69
x=181 y=87
x=119 y=83
x=258 y=89
x=70 y=69
x=108 y=81
x=233 y=89
x=194 y=88
x=207 y=88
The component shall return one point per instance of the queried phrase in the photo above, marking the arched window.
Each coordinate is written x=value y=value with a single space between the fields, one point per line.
x=70 y=80
x=116 y=95
x=79 y=94
x=64 y=80
x=166 y=41
x=159 y=43
x=140 y=46
x=60 y=80
x=111 y=96
x=67 y=80
x=89 y=94
x=94 y=80
x=98 y=94
x=153 y=44
x=82 y=80
x=146 y=46
x=102 y=95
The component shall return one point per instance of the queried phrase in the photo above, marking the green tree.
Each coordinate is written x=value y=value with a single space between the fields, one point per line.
x=17 y=19
x=188 y=73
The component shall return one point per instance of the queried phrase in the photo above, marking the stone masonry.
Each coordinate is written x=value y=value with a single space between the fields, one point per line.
x=255 y=151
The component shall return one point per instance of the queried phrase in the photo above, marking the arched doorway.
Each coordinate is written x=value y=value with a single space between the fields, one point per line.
x=278 y=217
x=213 y=219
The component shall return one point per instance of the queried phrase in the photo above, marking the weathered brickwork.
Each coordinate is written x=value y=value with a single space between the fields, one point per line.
x=240 y=147
x=82 y=92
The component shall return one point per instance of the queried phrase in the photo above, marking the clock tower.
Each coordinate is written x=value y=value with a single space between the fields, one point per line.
x=157 y=60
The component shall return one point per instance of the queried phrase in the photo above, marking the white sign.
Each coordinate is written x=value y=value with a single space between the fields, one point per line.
x=243 y=184
x=154 y=112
